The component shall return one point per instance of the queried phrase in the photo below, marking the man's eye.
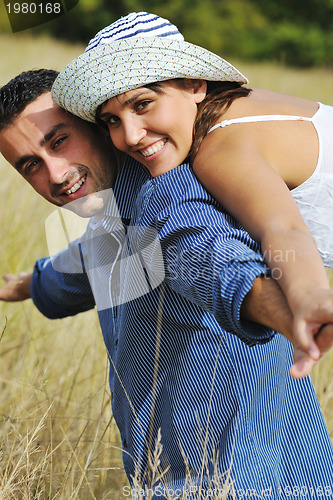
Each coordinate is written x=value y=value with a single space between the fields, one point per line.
x=59 y=141
x=30 y=166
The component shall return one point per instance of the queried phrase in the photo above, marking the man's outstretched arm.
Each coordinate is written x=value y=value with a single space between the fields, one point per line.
x=265 y=303
x=55 y=294
x=16 y=288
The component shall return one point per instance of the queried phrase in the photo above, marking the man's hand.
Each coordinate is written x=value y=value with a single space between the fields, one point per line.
x=16 y=288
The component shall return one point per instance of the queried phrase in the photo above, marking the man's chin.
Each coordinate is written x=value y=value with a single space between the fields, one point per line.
x=91 y=204
x=65 y=226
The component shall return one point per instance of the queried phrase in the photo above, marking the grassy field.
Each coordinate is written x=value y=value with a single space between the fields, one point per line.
x=57 y=436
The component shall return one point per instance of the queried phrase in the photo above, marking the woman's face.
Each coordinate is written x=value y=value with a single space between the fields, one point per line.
x=155 y=126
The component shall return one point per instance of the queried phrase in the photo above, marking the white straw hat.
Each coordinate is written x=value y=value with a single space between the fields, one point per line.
x=138 y=49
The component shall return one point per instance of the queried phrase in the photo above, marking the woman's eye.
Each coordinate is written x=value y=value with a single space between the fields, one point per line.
x=111 y=120
x=140 y=106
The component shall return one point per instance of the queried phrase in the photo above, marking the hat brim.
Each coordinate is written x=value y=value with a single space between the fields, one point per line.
x=112 y=69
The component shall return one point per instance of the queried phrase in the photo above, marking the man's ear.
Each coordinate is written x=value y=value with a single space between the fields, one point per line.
x=198 y=87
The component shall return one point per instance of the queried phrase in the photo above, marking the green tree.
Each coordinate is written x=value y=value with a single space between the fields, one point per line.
x=289 y=31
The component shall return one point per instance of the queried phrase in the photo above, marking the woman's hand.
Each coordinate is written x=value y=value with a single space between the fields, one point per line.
x=313 y=329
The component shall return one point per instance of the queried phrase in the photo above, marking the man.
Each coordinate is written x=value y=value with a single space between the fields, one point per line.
x=173 y=365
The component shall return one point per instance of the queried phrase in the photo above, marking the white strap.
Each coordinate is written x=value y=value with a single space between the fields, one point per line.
x=260 y=118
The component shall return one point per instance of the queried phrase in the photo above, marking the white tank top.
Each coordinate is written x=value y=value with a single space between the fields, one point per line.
x=314 y=197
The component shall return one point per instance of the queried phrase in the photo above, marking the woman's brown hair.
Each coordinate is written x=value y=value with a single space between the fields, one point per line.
x=220 y=96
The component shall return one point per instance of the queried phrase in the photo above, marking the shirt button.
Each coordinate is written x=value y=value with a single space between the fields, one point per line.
x=124 y=443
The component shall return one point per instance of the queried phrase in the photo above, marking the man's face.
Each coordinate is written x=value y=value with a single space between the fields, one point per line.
x=62 y=157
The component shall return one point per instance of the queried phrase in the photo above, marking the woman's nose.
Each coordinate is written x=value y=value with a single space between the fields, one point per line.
x=134 y=132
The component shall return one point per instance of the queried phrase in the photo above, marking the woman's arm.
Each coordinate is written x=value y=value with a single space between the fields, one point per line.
x=265 y=303
x=241 y=179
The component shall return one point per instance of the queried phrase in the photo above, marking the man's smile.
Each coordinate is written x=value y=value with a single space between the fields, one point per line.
x=77 y=185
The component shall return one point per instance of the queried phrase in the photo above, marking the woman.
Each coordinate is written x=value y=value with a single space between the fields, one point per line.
x=248 y=173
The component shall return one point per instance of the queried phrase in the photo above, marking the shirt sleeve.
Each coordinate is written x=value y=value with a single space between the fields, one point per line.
x=213 y=262
x=56 y=293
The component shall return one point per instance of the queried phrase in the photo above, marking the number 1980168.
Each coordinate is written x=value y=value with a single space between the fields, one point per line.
x=33 y=8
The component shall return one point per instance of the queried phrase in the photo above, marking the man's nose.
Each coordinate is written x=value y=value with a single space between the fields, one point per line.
x=57 y=169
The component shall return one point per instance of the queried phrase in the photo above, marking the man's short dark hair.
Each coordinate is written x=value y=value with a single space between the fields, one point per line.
x=21 y=91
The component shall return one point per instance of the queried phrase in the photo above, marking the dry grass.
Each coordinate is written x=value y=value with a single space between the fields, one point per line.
x=315 y=84
x=20 y=52
x=57 y=437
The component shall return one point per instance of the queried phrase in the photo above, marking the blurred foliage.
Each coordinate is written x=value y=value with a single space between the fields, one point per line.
x=293 y=32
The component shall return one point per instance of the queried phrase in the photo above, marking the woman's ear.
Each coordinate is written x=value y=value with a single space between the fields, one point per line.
x=199 y=88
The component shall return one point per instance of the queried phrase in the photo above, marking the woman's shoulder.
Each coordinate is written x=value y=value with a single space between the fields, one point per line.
x=268 y=102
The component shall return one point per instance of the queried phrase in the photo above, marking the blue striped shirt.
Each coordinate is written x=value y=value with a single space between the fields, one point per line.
x=181 y=359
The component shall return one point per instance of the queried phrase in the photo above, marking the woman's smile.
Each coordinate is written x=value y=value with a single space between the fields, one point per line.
x=154 y=148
